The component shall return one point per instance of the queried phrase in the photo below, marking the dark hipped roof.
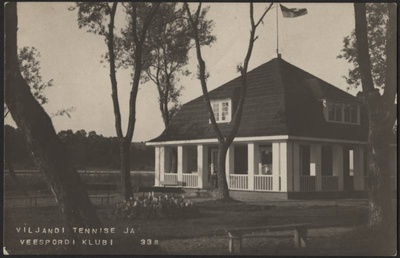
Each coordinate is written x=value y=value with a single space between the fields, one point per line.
x=281 y=99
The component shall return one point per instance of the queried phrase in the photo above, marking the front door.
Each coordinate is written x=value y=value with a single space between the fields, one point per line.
x=214 y=168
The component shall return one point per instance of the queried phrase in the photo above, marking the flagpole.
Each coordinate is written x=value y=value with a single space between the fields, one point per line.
x=277 y=30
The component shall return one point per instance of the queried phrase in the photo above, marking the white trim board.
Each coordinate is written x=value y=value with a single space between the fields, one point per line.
x=254 y=139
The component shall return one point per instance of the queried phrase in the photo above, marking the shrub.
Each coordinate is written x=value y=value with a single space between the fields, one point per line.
x=155 y=207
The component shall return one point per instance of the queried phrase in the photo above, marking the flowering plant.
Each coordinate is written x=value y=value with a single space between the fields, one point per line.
x=155 y=207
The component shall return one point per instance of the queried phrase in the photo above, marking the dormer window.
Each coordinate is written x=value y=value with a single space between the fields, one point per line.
x=341 y=112
x=222 y=110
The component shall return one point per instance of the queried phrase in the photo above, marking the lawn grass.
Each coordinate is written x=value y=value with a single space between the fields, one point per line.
x=340 y=229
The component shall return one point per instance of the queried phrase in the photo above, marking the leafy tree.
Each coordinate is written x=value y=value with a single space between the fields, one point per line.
x=170 y=42
x=381 y=108
x=195 y=22
x=167 y=57
x=28 y=59
x=29 y=64
x=49 y=153
x=377 y=20
x=94 y=16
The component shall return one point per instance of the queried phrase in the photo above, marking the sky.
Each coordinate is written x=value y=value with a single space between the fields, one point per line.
x=72 y=58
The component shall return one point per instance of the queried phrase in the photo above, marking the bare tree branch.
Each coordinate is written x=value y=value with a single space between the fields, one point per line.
x=113 y=77
x=202 y=67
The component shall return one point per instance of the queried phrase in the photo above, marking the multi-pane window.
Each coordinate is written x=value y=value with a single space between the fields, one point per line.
x=225 y=111
x=340 y=112
x=331 y=112
x=347 y=113
x=215 y=107
x=222 y=110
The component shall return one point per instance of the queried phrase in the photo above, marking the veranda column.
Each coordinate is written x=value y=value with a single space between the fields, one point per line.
x=157 y=175
x=182 y=162
x=230 y=163
x=358 y=161
x=275 y=166
x=337 y=161
x=253 y=159
x=286 y=166
x=315 y=165
x=164 y=162
x=202 y=165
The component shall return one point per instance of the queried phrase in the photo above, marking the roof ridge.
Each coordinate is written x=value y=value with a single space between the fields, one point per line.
x=238 y=77
x=280 y=81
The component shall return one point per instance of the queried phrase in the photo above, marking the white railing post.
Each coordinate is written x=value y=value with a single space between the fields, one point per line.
x=337 y=161
x=157 y=171
x=230 y=163
x=253 y=158
x=182 y=162
x=202 y=166
x=315 y=165
x=358 y=161
x=275 y=166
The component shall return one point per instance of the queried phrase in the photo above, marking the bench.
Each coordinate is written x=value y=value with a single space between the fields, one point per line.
x=177 y=183
x=102 y=197
x=235 y=235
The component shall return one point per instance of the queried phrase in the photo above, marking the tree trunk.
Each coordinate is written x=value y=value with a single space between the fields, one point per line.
x=14 y=177
x=380 y=207
x=49 y=153
x=381 y=117
x=125 y=147
x=223 y=191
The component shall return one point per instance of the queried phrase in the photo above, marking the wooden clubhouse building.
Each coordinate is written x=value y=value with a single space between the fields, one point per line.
x=299 y=137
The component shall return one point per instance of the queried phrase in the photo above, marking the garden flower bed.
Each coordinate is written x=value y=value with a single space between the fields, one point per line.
x=155 y=207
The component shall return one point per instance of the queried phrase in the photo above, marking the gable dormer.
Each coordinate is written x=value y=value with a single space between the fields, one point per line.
x=222 y=109
x=341 y=112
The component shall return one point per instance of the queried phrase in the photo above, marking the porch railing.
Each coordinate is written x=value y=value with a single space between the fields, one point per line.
x=170 y=178
x=329 y=183
x=263 y=182
x=191 y=180
x=238 y=182
x=307 y=183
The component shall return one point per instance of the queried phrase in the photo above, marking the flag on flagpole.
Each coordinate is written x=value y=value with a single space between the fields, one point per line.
x=292 y=12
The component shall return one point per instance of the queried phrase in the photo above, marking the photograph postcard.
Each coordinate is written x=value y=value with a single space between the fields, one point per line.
x=175 y=128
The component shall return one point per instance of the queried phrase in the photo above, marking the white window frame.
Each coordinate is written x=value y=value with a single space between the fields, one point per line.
x=328 y=104
x=219 y=102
